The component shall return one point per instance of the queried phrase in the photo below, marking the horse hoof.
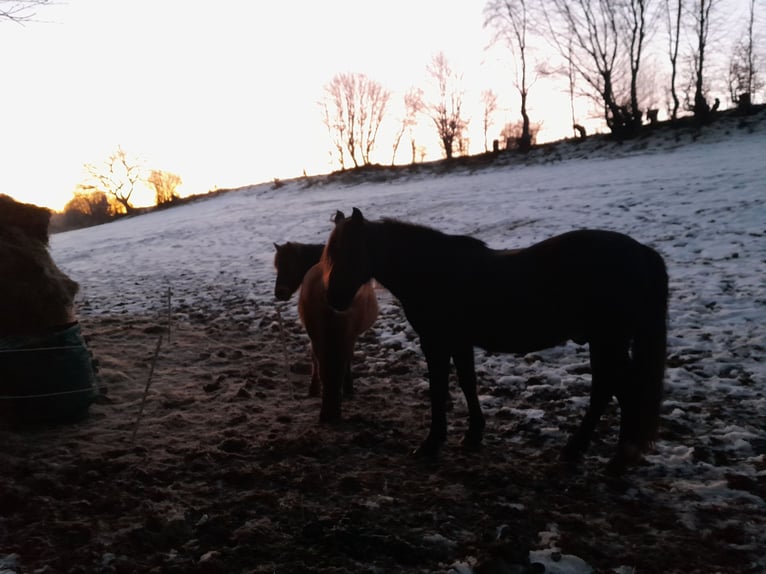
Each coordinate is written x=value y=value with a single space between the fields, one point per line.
x=471 y=442
x=330 y=418
x=470 y=446
x=628 y=455
x=426 y=450
x=572 y=452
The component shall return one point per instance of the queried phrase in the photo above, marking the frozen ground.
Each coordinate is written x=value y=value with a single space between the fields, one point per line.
x=701 y=204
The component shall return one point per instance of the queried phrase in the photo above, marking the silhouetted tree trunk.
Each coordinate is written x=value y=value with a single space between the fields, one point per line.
x=635 y=19
x=489 y=99
x=572 y=79
x=413 y=105
x=702 y=12
x=446 y=111
x=510 y=20
x=674 y=39
x=744 y=80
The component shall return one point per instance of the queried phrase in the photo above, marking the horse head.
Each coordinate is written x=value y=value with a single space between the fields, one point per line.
x=345 y=261
x=289 y=277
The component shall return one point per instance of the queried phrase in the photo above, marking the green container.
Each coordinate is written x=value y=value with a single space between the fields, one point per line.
x=47 y=378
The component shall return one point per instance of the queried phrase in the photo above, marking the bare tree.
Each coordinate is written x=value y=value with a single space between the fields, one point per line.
x=489 y=98
x=744 y=80
x=511 y=134
x=674 y=9
x=510 y=20
x=87 y=208
x=19 y=11
x=373 y=101
x=165 y=186
x=635 y=15
x=116 y=177
x=603 y=41
x=354 y=108
x=336 y=130
x=585 y=34
x=572 y=84
x=701 y=11
x=413 y=105
x=447 y=110
x=414 y=102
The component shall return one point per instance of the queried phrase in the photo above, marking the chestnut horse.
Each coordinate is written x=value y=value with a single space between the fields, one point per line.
x=599 y=287
x=332 y=333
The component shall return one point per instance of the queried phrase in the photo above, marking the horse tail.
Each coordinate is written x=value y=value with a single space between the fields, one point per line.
x=649 y=350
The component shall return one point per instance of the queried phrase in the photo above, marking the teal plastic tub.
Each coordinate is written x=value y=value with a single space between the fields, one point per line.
x=47 y=378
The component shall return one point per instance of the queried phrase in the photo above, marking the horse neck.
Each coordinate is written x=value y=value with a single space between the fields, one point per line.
x=388 y=254
x=309 y=255
x=399 y=251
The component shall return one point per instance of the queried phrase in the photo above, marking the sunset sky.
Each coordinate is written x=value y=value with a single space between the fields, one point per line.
x=225 y=94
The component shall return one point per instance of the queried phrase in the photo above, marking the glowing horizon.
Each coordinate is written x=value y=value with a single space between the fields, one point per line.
x=230 y=99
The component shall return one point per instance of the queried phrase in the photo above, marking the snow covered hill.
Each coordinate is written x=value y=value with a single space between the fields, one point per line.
x=701 y=204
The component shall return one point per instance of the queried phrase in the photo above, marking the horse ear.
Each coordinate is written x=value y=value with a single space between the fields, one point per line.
x=276 y=246
x=356 y=215
x=339 y=217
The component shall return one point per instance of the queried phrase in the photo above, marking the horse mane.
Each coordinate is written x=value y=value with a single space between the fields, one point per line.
x=425 y=237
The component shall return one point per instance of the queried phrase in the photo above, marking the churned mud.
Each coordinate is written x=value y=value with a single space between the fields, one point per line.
x=229 y=470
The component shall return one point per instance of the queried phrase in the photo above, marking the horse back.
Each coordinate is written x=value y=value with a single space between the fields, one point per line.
x=592 y=267
x=588 y=261
x=578 y=285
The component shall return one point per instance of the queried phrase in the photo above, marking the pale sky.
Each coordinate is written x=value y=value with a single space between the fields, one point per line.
x=225 y=93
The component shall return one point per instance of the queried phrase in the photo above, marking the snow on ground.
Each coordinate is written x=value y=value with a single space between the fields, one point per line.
x=702 y=205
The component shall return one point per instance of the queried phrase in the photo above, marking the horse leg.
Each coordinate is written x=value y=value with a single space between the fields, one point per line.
x=607 y=362
x=466 y=376
x=629 y=446
x=348 y=381
x=331 y=371
x=316 y=385
x=437 y=360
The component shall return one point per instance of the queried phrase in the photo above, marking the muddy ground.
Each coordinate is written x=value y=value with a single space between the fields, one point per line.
x=230 y=471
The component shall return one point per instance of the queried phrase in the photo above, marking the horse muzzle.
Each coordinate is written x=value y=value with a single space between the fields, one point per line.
x=281 y=293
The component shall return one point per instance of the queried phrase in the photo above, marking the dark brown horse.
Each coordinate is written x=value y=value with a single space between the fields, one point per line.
x=333 y=334
x=599 y=287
